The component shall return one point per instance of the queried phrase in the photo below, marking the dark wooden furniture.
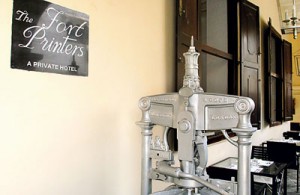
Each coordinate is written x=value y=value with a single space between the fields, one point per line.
x=259 y=152
x=225 y=170
x=284 y=152
x=259 y=189
x=295 y=135
x=295 y=126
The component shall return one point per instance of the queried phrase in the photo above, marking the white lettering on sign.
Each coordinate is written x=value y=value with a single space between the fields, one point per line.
x=61 y=29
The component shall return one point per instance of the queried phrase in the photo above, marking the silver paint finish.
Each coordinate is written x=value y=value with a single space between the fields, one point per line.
x=193 y=112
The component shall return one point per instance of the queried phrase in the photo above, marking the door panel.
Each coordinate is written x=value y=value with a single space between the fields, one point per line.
x=287 y=76
x=250 y=77
x=250 y=56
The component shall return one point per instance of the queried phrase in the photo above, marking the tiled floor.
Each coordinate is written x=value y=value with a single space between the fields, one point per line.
x=292 y=182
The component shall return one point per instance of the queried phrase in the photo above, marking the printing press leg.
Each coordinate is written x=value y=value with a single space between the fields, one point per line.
x=146 y=182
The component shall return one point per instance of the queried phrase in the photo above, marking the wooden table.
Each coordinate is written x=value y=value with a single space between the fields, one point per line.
x=227 y=169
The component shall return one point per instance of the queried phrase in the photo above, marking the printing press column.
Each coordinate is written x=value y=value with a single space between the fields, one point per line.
x=244 y=131
x=146 y=131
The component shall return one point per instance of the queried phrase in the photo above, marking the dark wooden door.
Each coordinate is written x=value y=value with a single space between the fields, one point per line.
x=273 y=76
x=287 y=78
x=250 y=56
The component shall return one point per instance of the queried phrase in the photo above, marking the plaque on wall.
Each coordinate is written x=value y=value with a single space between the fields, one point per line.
x=49 y=38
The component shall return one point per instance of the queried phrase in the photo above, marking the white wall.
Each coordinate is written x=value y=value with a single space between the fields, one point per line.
x=65 y=135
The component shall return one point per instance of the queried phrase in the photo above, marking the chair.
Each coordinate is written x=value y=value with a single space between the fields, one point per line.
x=285 y=153
x=291 y=134
x=295 y=126
x=259 y=152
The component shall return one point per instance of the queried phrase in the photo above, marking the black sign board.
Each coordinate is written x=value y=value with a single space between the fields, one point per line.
x=49 y=38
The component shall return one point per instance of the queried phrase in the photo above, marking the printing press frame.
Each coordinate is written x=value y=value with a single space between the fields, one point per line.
x=193 y=113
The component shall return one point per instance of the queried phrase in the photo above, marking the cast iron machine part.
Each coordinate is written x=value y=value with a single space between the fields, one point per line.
x=193 y=113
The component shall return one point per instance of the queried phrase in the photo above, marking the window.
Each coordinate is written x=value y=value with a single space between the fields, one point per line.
x=214 y=26
x=214 y=58
x=279 y=99
x=273 y=76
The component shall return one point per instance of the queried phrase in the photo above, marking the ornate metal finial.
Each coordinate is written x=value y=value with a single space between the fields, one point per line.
x=191 y=79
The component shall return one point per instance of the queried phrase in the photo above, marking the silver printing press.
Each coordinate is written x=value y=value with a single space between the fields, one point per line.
x=193 y=113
